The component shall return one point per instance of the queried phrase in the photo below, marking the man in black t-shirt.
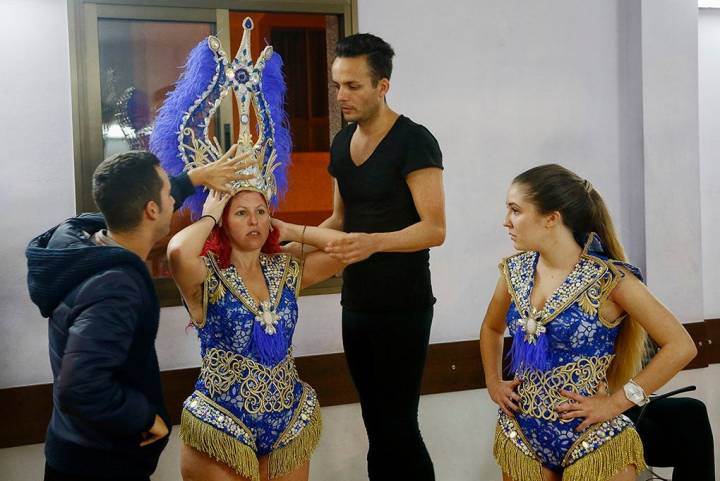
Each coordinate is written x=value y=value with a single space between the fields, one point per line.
x=389 y=198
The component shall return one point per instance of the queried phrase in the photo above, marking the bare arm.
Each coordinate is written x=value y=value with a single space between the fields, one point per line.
x=676 y=350
x=426 y=187
x=184 y=249
x=334 y=222
x=317 y=237
x=676 y=346
x=319 y=266
x=492 y=334
x=337 y=219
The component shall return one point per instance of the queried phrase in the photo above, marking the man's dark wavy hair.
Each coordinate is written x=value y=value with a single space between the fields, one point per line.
x=123 y=184
x=379 y=53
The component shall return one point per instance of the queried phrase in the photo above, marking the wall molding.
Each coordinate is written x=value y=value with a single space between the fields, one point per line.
x=450 y=366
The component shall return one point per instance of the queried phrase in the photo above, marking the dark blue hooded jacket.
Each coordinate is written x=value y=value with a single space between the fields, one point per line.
x=103 y=319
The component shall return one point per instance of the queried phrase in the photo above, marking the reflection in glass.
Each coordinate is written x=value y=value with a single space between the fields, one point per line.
x=139 y=64
x=306 y=43
x=141 y=60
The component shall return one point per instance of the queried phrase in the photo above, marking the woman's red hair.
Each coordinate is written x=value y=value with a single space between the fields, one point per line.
x=218 y=242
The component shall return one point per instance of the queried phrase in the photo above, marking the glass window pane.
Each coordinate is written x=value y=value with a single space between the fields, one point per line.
x=139 y=63
x=306 y=43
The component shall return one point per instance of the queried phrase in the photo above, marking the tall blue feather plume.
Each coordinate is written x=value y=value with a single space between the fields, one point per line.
x=274 y=90
x=197 y=76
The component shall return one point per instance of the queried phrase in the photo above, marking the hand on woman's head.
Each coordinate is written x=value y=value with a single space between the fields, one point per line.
x=215 y=205
x=280 y=227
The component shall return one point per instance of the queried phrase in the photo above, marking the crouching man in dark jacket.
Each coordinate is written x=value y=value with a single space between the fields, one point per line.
x=88 y=275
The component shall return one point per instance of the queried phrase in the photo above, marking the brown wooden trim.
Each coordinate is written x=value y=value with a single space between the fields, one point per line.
x=26 y=414
x=451 y=366
x=711 y=344
x=698 y=331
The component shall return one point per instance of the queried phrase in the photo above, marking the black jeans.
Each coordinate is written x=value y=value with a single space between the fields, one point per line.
x=52 y=474
x=386 y=356
x=676 y=433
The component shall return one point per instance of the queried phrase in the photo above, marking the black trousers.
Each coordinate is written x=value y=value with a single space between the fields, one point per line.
x=52 y=474
x=676 y=433
x=386 y=356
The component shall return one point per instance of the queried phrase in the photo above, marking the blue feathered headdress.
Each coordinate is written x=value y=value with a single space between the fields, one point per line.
x=180 y=134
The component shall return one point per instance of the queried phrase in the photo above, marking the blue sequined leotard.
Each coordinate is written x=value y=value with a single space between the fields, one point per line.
x=246 y=403
x=580 y=347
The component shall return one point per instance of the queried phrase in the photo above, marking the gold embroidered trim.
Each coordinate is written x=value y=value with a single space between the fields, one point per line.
x=277 y=266
x=596 y=436
x=615 y=278
x=590 y=282
x=219 y=445
x=540 y=390
x=300 y=438
x=275 y=271
x=585 y=274
x=201 y=324
x=206 y=409
x=622 y=450
x=508 y=275
x=294 y=275
x=592 y=298
x=306 y=407
x=208 y=427
x=206 y=286
x=215 y=288
x=519 y=277
x=262 y=388
x=513 y=453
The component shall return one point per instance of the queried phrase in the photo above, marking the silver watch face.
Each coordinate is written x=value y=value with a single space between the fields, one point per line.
x=634 y=393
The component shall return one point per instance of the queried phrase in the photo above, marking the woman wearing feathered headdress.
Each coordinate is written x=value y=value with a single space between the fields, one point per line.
x=250 y=417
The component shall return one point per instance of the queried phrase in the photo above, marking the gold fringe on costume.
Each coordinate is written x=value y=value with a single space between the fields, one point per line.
x=513 y=462
x=612 y=457
x=219 y=446
x=287 y=458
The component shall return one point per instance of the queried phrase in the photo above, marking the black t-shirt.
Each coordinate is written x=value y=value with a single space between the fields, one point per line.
x=377 y=199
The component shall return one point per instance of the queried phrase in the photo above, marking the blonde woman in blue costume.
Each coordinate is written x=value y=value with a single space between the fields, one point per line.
x=578 y=314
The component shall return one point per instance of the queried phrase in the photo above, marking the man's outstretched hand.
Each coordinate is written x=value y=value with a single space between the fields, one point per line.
x=353 y=247
x=220 y=174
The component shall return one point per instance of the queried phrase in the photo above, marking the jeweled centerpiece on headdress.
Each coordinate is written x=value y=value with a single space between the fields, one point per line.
x=181 y=137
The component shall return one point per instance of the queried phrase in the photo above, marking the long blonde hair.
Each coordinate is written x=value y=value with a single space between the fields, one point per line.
x=552 y=188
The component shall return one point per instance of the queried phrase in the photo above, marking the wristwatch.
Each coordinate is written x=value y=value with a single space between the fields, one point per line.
x=635 y=393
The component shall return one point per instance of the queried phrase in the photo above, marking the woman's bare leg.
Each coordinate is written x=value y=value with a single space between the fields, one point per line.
x=547 y=476
x=198 y=466
x=627 y=474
